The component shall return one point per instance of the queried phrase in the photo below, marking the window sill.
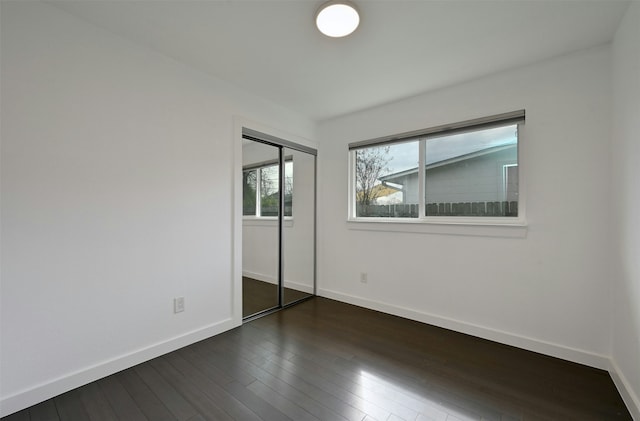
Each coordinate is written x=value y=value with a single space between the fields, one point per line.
x=506 y=228
x=267 y=221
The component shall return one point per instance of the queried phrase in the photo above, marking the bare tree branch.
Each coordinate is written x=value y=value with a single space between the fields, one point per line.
x=371 y=164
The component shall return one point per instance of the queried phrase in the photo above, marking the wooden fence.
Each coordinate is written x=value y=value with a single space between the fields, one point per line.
x=440 y=209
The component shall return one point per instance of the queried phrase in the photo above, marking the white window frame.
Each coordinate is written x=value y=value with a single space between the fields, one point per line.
x=410 y=224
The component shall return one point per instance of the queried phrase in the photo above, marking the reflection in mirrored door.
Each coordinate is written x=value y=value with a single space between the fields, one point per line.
x=260 y=228
x=299 y=227
x=278 y=229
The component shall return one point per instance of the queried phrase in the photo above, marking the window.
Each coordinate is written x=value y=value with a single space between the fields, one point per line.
x=261 y=192
x=466 y=172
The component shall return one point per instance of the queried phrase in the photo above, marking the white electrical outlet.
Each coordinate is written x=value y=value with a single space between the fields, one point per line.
x=364 y=278
x=178 y=304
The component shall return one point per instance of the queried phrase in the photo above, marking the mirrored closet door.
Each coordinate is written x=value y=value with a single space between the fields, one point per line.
x=299 y=231
x=278 y=229
x=260 y=231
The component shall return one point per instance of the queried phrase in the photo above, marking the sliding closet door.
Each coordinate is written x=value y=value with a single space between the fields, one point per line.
x=260 y=227
x=299 y=227
x=278 y=227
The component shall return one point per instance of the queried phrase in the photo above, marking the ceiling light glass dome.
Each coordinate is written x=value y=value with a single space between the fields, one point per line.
x=337 y=19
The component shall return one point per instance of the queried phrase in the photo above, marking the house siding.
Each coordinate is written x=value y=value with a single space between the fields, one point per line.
x=478 y=179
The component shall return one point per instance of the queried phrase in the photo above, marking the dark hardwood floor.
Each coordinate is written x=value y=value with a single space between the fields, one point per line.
x=325 y=360
x=259 y=295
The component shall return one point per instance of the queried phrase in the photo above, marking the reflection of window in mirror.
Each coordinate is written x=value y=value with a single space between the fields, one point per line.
x=249 y=189
x=260 y=192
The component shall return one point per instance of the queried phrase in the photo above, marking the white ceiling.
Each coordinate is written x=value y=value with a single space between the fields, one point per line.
x=271 y=48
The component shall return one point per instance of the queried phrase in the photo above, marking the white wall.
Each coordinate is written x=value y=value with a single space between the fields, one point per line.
x=626 y=195
x=548 y=291
x=116 y=197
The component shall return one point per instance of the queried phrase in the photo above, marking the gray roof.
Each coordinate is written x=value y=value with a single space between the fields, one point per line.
x=433 y=163
x=448 y=147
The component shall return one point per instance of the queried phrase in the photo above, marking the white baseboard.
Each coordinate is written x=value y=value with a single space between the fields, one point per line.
x=260 y=277
x=531 y=344
x=26 y=398
x=298 y=286
x=287 y=284
x=630 y=398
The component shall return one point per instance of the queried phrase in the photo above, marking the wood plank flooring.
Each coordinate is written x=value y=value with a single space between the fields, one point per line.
x=259 y=295
x=325 y=360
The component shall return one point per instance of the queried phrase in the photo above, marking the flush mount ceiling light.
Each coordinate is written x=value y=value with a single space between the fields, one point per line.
x=337 y=19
